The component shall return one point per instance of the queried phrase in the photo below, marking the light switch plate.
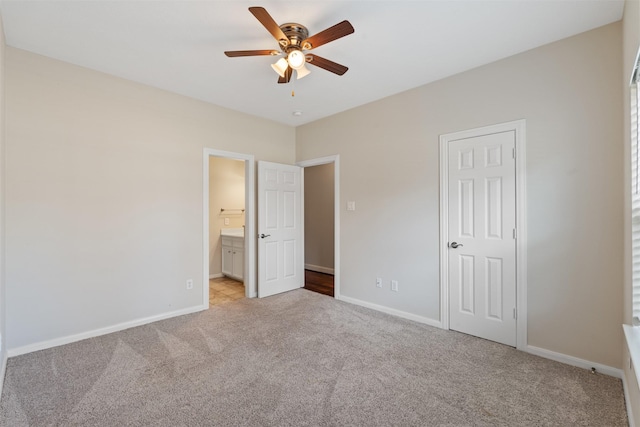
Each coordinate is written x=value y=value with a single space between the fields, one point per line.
x=351 y=206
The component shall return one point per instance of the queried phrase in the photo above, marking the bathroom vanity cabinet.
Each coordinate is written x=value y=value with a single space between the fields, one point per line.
x=233 y=257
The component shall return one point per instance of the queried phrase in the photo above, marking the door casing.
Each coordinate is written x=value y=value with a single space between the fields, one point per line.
x=519 y=127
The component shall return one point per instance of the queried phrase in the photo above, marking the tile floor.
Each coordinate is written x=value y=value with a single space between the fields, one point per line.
x=223 y=290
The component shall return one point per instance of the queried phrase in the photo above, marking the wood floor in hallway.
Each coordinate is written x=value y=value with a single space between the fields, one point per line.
x=319 y=282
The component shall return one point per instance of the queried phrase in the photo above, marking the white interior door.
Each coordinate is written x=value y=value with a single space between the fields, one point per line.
x=482 y=232
x=280 y=251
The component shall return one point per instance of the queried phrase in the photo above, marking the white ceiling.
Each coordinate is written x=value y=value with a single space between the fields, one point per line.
x=178 y=45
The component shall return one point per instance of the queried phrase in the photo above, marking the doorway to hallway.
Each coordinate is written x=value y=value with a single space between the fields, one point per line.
x=322 y=225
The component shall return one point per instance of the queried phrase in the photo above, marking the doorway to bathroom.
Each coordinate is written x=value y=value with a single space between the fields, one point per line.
x=228 y=209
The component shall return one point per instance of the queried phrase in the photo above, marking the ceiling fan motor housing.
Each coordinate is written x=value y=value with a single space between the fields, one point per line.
x=296 y=34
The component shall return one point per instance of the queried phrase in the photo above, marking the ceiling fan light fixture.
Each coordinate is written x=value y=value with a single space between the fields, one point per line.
x=280 y=66
x=302 y=71
x=296 y=59
x=294 y=40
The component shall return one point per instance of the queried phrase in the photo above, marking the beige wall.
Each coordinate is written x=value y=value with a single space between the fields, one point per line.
x=3 y=304
x=319 y=217
x=631 y=44
x=104 y=195
x=569 y=93
x=226 y=191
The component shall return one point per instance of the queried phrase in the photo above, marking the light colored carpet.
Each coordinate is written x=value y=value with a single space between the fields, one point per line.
x=300 y=359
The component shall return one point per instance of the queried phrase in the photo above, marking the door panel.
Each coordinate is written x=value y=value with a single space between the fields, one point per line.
x=482 y=269
x=493 y=269
x=466 y=215
x=289 y=258
x=467 y=285
x=280 y=265
x=270 y=261
x=493 y=202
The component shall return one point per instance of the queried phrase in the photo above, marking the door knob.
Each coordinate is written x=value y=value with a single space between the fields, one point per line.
x=454 y=245
x=262 y=236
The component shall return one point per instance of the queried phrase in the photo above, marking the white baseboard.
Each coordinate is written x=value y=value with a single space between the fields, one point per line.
x=547 y=354
x=392 y=311
x=627 y=401
x=216 y=276
x=318 y=268
x=574 y=361
x=585 y=364
x=102 y=331
x=3 y=370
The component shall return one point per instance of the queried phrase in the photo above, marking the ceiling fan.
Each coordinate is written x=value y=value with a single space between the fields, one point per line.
x=294 y=41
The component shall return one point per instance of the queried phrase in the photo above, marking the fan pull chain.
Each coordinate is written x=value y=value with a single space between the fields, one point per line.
x=294 y=82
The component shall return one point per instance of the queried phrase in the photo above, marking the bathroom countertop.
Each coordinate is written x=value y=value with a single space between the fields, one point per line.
x=232 y=232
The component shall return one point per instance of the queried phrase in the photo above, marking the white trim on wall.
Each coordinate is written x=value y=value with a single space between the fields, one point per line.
x=3 y=370
x=42 y=345
x=318 y=268
x=392 y=311
x=574 y=361
x=627 y=400
x=335 y=159
x=250 y=284
x=519 y=127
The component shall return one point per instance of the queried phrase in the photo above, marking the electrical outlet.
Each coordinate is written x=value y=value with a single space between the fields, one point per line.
x=379 y=282
x=190 y=284
x=394 y=285
x=226 y=221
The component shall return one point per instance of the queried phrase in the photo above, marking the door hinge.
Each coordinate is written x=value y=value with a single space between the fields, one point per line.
x=513 y=152
x=515 y=234
x=515 y=313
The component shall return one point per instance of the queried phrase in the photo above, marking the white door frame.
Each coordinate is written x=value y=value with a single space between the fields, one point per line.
x=335 y=159
x=519 y=127
x=249 y=221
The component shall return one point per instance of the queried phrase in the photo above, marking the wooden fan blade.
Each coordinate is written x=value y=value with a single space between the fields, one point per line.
x=334 y=67
x=341 y=29
x=234 y=53
x=287 y=76
x=267 y=21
